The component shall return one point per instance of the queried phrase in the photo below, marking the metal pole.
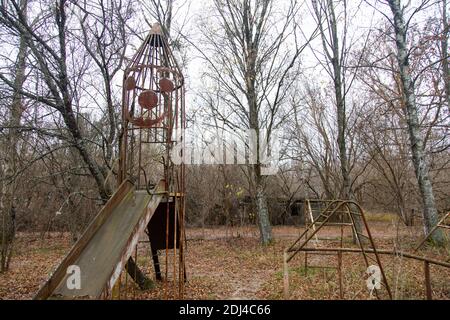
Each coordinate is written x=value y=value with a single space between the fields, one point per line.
x=341 y=287
x=285 y=275
x=426 y=269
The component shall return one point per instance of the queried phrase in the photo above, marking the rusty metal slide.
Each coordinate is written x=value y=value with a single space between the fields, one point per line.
x=104 y=248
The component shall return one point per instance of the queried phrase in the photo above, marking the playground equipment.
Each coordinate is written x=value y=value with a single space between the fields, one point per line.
x=151 y=193
x=444 y=223
x=340 y=213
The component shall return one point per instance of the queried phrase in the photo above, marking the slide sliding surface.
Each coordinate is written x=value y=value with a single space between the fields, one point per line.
x=103 y=250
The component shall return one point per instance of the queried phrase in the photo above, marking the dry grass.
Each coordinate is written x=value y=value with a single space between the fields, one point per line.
x=229 y=263
x=382 y=217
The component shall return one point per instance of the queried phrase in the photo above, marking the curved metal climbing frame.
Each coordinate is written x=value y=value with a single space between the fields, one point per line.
x=444 y=223
x=340 y=213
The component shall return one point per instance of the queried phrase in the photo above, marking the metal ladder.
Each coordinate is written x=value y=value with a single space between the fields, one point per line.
x=444 y=223
x=363 y=237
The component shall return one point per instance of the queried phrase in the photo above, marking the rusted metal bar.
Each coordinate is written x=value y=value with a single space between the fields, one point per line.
x=339 y=207
x=368 y=237
x=426 y=269
x=438 y=225
x=135 y=269
x=302 y=235
x=311 y=217
x=285 y=275
x=341 y=286
x=306 y=263
x=380 y=251
x=126 y=281
x=313 y=233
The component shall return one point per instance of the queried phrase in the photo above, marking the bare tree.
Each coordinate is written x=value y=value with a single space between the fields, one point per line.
x=412 y=120
x=335 y=53
x=49 y=54
x=444 y=52
x=386 y=134
x=104 y=36
x=312 y=135
x=247 y=51
x=8 y=198
x=161 y=11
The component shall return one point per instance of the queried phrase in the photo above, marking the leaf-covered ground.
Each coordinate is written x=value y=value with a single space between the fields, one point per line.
x=229 y=263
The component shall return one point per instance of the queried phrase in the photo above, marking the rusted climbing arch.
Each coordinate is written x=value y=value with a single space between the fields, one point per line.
x=340 y=213
x=444 y=224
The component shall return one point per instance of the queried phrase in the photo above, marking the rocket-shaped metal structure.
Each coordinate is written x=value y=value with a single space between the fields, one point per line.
x=151 y=192
x=153 y=124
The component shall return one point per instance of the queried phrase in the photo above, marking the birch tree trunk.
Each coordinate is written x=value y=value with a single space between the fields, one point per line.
x=265 y=227
x=417 y=146
x=259 y=180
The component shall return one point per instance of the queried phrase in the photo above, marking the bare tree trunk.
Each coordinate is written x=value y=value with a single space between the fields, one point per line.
x=340 y=103
x=260 y=195
x=80 y=144
x=259 y=182
x=444 y=48
x=66 y=107
x=108 y=57
x=265 y=227
x=335 y=58
x=346 y=192
x=8 y=206
x=417 y=146
x=251 y=94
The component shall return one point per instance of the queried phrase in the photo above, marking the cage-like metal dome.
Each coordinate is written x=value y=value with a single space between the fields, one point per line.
x=153 y=105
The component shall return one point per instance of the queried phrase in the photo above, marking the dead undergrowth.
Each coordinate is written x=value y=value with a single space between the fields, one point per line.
x=229 y=263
